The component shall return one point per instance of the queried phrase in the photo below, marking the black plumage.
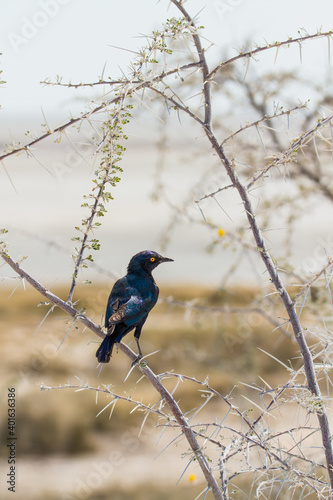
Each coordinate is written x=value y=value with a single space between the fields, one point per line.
x=131 y=299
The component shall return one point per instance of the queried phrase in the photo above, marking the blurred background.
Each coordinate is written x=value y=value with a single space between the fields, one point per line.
x=61 y=441
x=80 y=42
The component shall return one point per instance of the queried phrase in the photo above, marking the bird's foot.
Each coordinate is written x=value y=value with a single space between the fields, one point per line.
x=138 y=360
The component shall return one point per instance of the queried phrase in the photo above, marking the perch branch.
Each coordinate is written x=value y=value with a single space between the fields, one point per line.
x=153 y=379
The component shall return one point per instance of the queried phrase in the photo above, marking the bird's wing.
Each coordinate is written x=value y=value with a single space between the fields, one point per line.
x=131 y=312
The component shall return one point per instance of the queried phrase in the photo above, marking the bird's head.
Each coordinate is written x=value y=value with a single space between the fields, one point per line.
x=146 y=261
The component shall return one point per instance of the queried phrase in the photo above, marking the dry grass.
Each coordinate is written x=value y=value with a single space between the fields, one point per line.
x=64 y=423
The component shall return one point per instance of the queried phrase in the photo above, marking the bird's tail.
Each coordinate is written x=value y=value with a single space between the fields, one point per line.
x=104 y=352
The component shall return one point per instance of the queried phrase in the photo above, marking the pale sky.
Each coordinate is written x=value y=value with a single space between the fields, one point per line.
x=43 y=38
x=72 y=38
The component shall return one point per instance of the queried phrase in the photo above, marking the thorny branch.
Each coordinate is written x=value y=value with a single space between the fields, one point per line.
x=265 y=255
x=314 y=279
x=109 y=392
x=269 y=442
x=14 y=150
x=292 y=151
x=263 y=119
x=277 y=45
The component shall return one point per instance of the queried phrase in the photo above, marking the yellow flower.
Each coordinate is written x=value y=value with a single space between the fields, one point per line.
x=192 y=478
x=221 y=232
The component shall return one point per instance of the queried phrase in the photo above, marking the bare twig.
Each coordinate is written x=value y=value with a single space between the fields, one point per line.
x=105 y=104
x=292 y=151
x=54 y=299
x=314 y=279
x=263 y=119
x=277 y=45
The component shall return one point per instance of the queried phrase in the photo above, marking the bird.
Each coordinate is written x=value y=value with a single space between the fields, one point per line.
x=131 y=299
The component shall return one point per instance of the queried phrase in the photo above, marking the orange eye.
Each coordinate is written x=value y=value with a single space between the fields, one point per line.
x=152 y=259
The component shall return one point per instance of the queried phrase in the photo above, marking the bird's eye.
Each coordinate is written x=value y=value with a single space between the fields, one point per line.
x=152 y=259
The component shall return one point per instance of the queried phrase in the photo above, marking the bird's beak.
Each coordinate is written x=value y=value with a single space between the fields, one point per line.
x=165 y=259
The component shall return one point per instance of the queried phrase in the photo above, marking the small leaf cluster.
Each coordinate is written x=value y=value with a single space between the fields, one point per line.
x=1 y=81
x=2 y=242
x=160 y=42
x=176 y=27
x=106 y=176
